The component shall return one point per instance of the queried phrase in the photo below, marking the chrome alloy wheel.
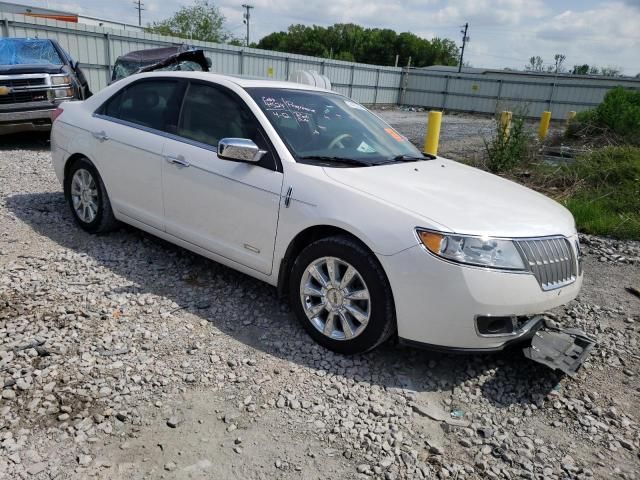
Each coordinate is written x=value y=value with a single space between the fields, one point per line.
x=84 y=195
x=335 y=298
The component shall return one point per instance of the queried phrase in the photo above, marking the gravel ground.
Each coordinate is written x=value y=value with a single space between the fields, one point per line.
x=461 y=135
x=122 y=356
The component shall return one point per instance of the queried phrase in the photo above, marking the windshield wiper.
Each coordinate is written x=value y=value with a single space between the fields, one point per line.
x=343 y=160
x=407 y=158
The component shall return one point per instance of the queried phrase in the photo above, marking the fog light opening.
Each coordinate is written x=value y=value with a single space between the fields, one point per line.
x=487 y=325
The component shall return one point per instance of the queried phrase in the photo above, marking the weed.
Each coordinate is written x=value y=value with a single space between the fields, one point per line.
x=508 y=148
x=601 y=189
x=618 y=116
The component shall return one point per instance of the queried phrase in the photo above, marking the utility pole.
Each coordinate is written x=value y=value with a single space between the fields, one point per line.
x=138 y=5
x=465 y=39
x=247 y=16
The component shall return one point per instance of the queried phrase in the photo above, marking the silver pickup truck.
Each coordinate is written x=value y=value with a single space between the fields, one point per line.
x=35 y=76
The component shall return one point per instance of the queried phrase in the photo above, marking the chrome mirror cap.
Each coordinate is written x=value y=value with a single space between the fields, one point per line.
x=239 y=150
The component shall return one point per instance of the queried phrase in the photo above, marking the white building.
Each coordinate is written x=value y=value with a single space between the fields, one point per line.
x=63 y=16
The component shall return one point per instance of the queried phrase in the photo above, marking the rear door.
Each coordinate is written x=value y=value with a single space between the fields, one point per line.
x=129 y=137
x=229 y=208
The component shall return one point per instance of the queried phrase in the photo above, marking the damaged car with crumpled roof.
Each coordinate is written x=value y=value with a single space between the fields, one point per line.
x=174 y=58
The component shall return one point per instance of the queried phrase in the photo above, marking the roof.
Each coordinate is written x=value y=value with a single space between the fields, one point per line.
x=154 y=55
x=447 y=68
x=242 y=82
x=514 y=72
x=64 y=15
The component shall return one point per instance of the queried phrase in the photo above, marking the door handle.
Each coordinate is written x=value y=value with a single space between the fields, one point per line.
x=177 y=160
x=100 y=136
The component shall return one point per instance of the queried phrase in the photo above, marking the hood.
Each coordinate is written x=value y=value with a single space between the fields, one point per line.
x=37 y=68
x=464 y=199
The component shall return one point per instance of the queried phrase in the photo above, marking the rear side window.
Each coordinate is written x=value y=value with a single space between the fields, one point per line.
x=152 y=104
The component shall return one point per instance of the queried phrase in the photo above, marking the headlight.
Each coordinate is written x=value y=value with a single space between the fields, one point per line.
x=63 y=93
x=60 y=79
x=479 y=251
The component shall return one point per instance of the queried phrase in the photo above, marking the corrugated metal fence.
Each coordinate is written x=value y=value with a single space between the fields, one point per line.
x=493 y=91
x=97 y=48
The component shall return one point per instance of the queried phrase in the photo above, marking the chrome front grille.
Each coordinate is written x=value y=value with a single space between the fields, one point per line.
x=16 y=82
x=551 y=260
x=24 y=96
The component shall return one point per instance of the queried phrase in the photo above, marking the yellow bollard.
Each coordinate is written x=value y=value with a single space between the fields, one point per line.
x=432 y=137
x=505 y=122
x=544 y=124
x=570 y=116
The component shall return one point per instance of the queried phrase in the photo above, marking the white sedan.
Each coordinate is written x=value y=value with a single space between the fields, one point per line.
x=311 y=192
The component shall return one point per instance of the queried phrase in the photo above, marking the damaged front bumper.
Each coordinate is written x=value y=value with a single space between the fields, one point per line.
x=563 y=349
x=557 y=348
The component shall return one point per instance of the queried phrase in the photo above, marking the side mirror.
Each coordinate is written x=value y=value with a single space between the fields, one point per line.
x=239 y=150
x=209 y=62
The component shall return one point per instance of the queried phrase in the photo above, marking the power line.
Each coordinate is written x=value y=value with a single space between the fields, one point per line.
x=138 y=5
x=247 y=16
x=465 y=39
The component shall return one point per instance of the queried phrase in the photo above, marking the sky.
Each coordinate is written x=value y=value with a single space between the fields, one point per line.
x=503 y=33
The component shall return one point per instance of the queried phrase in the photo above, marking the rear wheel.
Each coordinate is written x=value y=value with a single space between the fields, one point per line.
x=88 y=198
x=341 y=295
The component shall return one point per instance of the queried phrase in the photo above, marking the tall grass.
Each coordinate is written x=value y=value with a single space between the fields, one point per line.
x=604 y=191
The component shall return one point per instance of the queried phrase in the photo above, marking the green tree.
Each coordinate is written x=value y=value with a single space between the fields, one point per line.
x=536 y=64
x=559 y=59
x=580 y=69
x=200 y=21
x=610 y=71
x=347 y=41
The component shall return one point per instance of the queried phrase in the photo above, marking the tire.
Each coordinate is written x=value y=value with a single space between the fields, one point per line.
x=98 y=216
x=366 y=294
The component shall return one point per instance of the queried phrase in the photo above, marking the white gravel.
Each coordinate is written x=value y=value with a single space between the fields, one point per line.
x=122 y=356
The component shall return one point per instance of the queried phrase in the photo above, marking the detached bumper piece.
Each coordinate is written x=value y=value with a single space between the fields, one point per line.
x=559 y=348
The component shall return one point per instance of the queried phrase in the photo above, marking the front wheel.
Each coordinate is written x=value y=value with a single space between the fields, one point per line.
x=341 y=295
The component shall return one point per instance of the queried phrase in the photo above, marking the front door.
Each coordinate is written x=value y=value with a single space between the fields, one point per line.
x=229 y=208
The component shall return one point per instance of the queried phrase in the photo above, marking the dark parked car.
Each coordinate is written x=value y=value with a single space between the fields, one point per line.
x=180 y=57
x=35 y=76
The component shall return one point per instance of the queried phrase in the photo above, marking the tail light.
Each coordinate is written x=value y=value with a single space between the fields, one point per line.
x=56 y=113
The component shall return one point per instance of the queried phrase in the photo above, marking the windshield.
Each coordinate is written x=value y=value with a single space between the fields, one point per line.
x=320 y=126
x=185 y=66
x=15 y=51
x=123 y=69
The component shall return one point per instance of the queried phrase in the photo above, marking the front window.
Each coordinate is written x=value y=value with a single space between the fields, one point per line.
x=321 y=127
x=28 y=52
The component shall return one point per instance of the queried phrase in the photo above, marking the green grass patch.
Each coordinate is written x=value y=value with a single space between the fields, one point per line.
x=601 y=189
x=603 y=218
